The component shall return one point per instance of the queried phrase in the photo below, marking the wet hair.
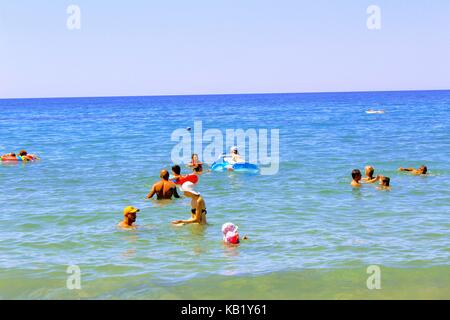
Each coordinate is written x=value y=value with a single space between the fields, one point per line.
x=164 y=174
x=199 y=168
x=356 y=173
x=193 y=155
x=386 y=181
x=176 y=169
x=424 y=169
x=22 y=153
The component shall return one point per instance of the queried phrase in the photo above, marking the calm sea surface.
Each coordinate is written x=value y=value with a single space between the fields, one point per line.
x=310 y=234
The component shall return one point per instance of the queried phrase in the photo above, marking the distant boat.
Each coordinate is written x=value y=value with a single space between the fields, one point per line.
x=370 y=111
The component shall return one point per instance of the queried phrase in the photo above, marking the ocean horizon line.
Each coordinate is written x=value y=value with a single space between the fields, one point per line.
x=225 y=94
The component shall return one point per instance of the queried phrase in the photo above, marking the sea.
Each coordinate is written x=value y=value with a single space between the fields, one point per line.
x=310 y=235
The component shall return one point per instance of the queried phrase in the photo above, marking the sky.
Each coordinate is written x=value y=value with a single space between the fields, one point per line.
x=177 y=47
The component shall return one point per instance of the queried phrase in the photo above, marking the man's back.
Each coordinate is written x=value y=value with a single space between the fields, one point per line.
x=164 y=190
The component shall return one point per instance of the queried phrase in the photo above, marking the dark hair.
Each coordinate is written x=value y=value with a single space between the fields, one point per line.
x=22 y=153
x=164 y=175
x=198 y=168
x=176 y=168
x=356 y=173
x=371 y=171
x=386 y=181
x=194 y=154
x=424 y=169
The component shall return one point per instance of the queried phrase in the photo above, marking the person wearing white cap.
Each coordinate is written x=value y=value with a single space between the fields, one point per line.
x=198 y=211
x=235 y=156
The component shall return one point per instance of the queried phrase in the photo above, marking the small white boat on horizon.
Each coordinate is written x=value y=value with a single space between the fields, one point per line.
x=370 y=111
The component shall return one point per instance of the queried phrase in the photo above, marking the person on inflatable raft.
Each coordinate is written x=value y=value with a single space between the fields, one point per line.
x=23 y=156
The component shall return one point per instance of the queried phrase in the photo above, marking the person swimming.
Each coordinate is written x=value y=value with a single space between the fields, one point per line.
x=384 y=183
x=195 y=164
x=22 y=156
x=369 y=172
x=164 y=189
x=198 y=206
x=129 y=218
x=356 y=176
x=421 y=171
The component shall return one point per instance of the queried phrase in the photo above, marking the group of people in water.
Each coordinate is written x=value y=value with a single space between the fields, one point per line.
x=384 y=182
x=167 y=189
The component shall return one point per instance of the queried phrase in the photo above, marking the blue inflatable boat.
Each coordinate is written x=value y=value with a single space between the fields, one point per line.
x=224 y=164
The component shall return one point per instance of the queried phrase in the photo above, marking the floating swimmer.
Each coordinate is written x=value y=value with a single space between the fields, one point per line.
x=233 y=162
x=23 y=156
x=421 y=171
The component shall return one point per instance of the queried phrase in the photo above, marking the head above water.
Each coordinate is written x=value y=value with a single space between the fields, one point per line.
x=130 y=214
x=194 y=157
x=234 y=150
x=23 y=153
x=164 y=174
x=176 y=169
x=198 y=168
x=369 y=170
x=385 y=181
x=356 y=174
x=423 y=169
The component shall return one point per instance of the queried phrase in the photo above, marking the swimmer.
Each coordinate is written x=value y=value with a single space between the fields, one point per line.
x=235 y=156
x=384 y=183
x=356 y=176
x=198 y=206
x=27 y=157
x=369 y=171
x=164 y=189
x=195 y=164
x=129 y=218
x=421 y=171
x=230 y=233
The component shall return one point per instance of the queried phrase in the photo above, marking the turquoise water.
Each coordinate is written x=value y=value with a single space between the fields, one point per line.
x=305 y=223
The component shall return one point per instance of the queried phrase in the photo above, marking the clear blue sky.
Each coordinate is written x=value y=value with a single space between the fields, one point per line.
x=221 y=46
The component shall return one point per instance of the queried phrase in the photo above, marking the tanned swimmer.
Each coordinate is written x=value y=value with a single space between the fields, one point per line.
x=421 y=171
x=164 y=189
x=369 y=178
x=356 y=176
x=129 y=218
